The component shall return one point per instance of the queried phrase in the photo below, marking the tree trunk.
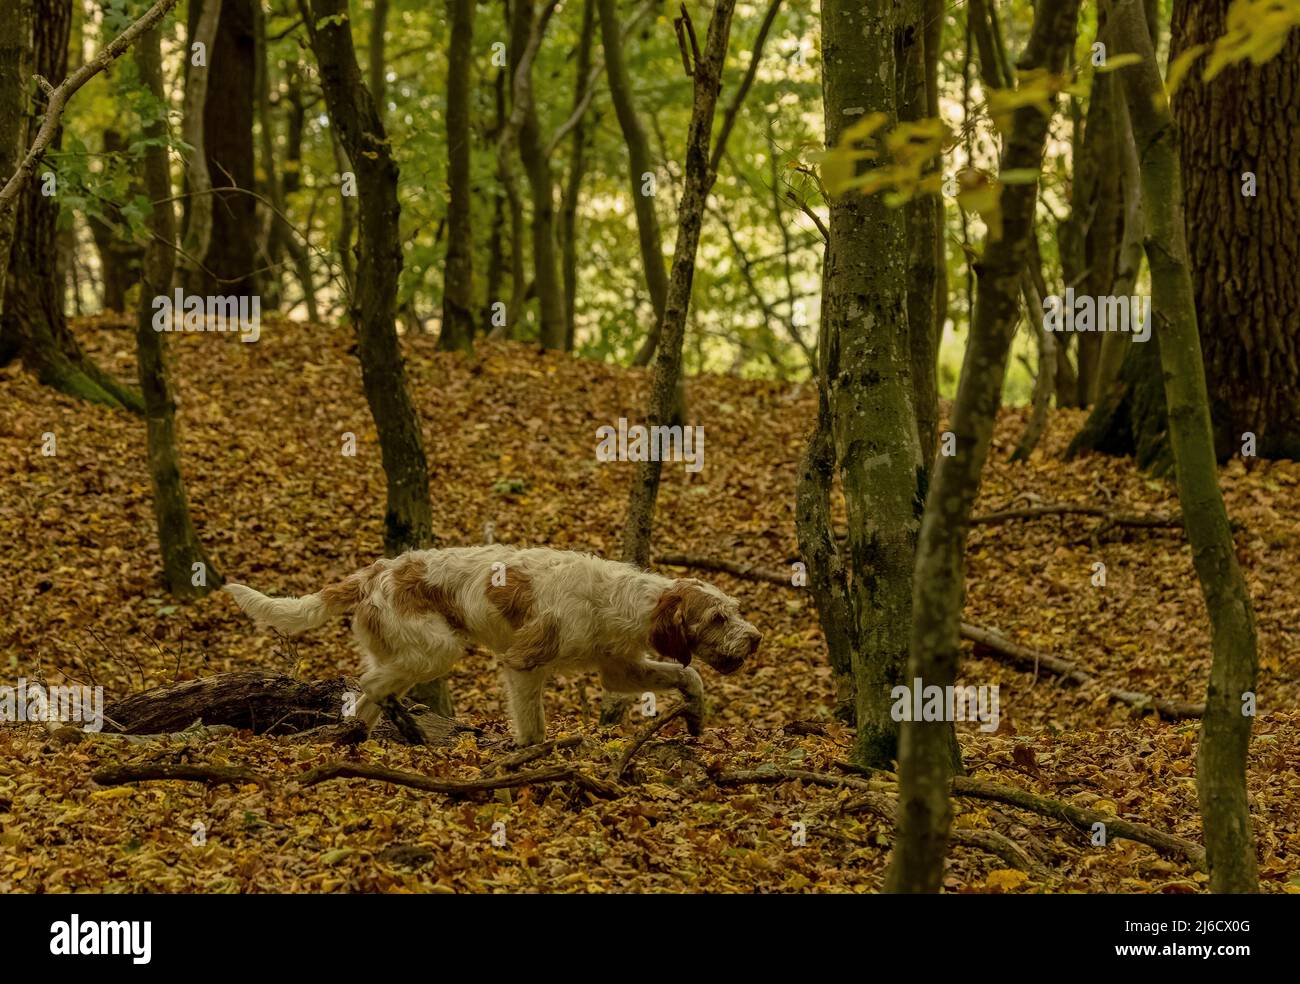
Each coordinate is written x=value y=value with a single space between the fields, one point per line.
x=119 y=254
x=639 y=164
x=376 y=54
x=1225 y=732
x=917 y=70
x=198 y=231
x=577 y=171
x=187 y=570
x=16 y=40
x=292 y=172
x=1243 y=248
x=458 y=281
x=666 y=375
x=866 y=365
x=408 y=519
x=537 y=169
x=925 y=764
x=33 y=325
x=228 y=141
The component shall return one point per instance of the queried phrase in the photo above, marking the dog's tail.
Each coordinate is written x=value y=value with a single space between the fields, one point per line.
x=292 y=615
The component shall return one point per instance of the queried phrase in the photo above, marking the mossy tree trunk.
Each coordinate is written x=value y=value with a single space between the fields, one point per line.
x=34 y=326
x=925 y=763
x=1226 y=726
x=187 y=569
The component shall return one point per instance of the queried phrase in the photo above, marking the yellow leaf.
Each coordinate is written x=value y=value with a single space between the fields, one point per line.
x=1005 y=878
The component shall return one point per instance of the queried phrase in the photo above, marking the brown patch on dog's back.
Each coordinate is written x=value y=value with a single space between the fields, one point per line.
x=413 y=594
x=345 y=595
x=514 y=599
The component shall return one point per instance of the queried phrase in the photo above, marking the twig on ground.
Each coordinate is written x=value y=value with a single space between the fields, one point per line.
x=646 y=734
x=117 y=775
x=458 y=787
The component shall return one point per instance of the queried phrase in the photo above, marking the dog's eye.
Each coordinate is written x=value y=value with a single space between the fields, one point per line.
x=718 y=618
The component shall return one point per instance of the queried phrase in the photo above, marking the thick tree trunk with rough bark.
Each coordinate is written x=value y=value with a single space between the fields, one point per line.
x=228 y=113
x=458 y=282
x=187 y=569
x=925 y=764
x=666 y=375
x=866 y=368
x=34 y=326
x=16 y=20
x=1226 y=726
x=1244 y=249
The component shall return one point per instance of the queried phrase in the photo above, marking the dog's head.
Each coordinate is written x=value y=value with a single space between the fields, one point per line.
x=693 y=618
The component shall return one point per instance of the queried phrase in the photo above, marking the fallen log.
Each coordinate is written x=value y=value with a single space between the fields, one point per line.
x=263 y=703
x=988 y=643
x=1078 y=817
x=117 y=775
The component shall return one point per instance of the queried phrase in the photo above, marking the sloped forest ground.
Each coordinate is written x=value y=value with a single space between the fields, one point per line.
x=511 y=442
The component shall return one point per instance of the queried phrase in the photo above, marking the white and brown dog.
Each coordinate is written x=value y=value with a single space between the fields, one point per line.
x=541 y=611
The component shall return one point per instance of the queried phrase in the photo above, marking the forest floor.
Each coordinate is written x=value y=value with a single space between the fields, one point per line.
x=510 y=440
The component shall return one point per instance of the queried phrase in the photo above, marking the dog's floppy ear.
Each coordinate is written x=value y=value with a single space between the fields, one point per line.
x=668 y=628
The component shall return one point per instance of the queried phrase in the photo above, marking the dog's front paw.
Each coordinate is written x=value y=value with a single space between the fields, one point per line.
x=693 y=692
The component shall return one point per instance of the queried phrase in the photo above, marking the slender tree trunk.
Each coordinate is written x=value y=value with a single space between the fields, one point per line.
x=927 y=281
x=408 y=519
x=925 y=763
x=577 y=171
x=198 y=232
x=458 y=281
x=34 y=325
x=298 y=250
x=119 y=254
x=1229 y=705
x=666 y=376
x=639 y=165
x=187 y=570
x=537 y=169
x=376 y=54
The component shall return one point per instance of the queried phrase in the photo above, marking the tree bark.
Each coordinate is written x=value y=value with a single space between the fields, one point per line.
x=666 y=375
x=119 y=254
x=408 y=519
x=34 y=326
x=198 y=231
x=925 y=764
x=458 y=282
x=865 y=369
x=187 y=569
x=527 y=28
x=639 y=163
x=577 y=171
x=1225 y=734
x=16 y=43
x=1243 y=249
x=228 y=113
